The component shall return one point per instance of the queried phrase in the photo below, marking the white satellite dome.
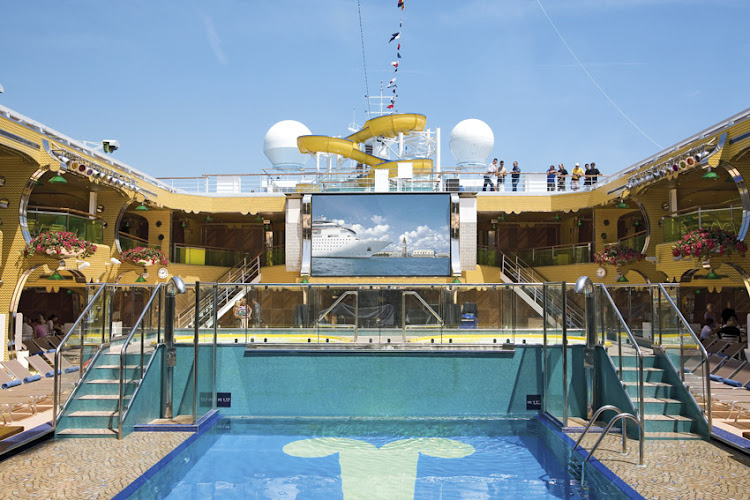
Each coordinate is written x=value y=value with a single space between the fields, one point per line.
x=471 y=142
x=280 y=144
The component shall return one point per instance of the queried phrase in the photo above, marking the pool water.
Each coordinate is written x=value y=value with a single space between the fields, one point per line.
x=368 y=458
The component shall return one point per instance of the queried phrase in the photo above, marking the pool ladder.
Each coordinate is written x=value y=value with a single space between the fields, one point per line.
x=620 y=416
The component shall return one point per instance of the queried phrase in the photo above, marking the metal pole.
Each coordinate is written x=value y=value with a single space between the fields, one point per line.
x=565 y=353
x=104 y=316
x=544 y=347
x=196 y=339
x=216 y=334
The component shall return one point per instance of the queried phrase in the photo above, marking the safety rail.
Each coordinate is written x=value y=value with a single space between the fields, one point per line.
x=57 y=382
x=638 y=352
x=245 y=271
x=519 y=271
x=545 y=256
x=319 y=321
x=139 y=323
x=620 y=416
x=701 y=350
x=427 y=306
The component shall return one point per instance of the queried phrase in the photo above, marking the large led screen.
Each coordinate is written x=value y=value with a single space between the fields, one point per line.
x=381 y=235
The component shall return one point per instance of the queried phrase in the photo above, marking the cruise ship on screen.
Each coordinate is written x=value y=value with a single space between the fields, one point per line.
x=334 y=240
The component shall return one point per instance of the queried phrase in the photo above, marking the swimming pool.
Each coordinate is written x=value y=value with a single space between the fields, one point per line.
x=313 y=458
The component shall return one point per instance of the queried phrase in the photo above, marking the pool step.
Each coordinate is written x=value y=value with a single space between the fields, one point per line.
x=83 y=433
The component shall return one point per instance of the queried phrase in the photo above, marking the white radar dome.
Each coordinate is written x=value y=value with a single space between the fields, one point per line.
x=280 y=144
x=471 y=142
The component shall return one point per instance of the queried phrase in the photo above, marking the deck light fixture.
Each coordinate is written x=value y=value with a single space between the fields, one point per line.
x=142 y=207
x=710 y=175
x=712 y=275
x=622 y=279
x=622 y=204
x=58 y=179
x=56 y=276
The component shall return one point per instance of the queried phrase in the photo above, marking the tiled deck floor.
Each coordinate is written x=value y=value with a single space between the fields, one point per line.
x=95 y=468
x=691 y=469
x=83 y=468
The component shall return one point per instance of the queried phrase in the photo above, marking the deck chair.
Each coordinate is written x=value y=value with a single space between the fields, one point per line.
x=7 y=431
x=727 y=369
x=740 y=378
x=45 y=344
x=40 y=365
x=733 y=349
x=717 y=346
x=53 y=340
x=18 y=371
x=64 y=363
x=32 y=346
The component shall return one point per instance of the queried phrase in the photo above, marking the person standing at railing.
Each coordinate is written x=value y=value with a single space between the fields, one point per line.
x=551 y=178
x=593 y=174
x=489 y=174
x=575 y=177
x=516 y=175
x=562 y=174
x=257 y=313
x=501 y=173
x=587 y=176
x=240 y=312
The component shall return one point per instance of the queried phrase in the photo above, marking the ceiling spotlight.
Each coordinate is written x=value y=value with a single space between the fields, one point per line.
x=710 y=175
x=58 y=179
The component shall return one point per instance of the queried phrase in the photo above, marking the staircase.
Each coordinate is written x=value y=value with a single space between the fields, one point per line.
x=670 y=412
x=92 y=410
x=514 y=270
x=245 y=271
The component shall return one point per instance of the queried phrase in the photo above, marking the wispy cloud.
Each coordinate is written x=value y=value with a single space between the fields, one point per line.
x=213 y=40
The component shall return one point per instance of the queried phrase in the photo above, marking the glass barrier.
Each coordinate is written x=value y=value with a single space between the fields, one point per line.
x=129 y=242
x=728 y=219
x=87 y=227
x=306 y=313
x=557 y=255
x=206 y=256
x=142 y=332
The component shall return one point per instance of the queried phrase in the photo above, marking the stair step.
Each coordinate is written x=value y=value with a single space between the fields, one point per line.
x=114 y=367
x=666 y=418
x=102 y=396
x=90 y=413
x=87 y=432
x=672 y=435
x=103 y=381
x=661 y=400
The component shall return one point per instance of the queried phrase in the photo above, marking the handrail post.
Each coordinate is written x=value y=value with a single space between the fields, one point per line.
x=196 y=339
x=544 y=347
x=565 y=353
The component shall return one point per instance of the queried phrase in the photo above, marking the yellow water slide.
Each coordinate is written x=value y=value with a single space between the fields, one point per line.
x=383 y=126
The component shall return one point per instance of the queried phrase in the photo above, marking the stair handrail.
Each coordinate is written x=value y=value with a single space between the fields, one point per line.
x=58 y=355
x=638 y=351
x=624 y=417
x=701 y=349
x=336 y=302
x=246 y=270
x=427 y=306
x=593 y=419
x=123 y=351
x=516 y=268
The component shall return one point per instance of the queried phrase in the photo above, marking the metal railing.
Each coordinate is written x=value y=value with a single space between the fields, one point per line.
x=244 y=272
x=439 y=321
x=139 y=325
x=520 y=272
x=620 y=416
x=612 y=330
x=323 y=321
x=57 y=383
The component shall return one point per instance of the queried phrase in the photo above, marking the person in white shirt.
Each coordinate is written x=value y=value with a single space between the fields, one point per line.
x=489 y=174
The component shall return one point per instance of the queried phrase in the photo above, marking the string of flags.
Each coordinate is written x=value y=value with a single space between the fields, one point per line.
x=396 y=36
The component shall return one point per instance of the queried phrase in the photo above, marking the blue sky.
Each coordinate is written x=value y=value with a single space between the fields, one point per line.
x=191 y=87
x=423 y=219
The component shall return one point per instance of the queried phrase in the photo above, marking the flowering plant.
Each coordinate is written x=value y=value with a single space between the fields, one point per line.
x=59 y=244
x=145 y=255
x=703 y=242
x=617 y=255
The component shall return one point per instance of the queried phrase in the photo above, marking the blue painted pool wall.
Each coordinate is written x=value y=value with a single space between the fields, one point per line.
x=385 y=384
x=149 y=400
x=182 y=388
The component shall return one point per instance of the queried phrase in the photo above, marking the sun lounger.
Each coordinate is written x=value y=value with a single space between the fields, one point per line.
x=66 y=366
x=727 y=369
x=45 y=344
x=733 y=349
x=718 y=346
x=18 y=371
x=7 y=431
x=40 y=365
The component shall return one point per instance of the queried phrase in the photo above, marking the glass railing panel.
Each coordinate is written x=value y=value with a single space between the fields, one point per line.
x=555 y=256
x=486 y=256
x=128 y=242
x=206 y=256
x=88 y=228
x=728 y=219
